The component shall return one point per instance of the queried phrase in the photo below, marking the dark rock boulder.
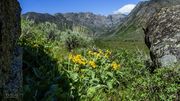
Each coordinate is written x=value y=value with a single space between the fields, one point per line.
x=162 y=36
x=10 y=30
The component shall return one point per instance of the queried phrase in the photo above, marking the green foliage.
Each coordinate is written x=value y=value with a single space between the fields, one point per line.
x=40 y=33
x=131 y=33
x=162 y=85
x=74 y=40
x=41 y=79
x=132 y=81
x=88 y=74
x=43 y=45
x=48 y=33
x=92 y=71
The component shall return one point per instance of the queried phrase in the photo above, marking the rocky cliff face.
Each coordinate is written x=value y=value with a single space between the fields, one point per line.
x=140 y=15
x=97 y=24
x=9 y=33
x=146 y=9
x=162 y=36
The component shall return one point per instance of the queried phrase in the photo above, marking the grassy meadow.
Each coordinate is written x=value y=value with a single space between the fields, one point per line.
x=119 y=44
x=68 y=65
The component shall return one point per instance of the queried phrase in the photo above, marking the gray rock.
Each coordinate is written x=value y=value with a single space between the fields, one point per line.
x=168 y=60
x=139 y=17
x=10 y=30
x=13 y=86
x=162 y=36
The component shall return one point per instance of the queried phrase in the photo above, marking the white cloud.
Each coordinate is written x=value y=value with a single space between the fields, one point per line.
x=126 y=9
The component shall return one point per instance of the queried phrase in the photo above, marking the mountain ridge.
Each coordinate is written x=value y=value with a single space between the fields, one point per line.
x=98 y=24
x=133 y=24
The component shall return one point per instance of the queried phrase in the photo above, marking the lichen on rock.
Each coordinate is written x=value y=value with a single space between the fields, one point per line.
x=162 y=36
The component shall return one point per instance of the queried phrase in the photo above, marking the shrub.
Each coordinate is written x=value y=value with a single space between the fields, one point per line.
x=48 y=33
x=41 y=80
x=74 y=40
x=41 y=33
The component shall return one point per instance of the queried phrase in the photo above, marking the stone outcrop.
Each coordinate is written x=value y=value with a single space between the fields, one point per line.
x=162 y=36
x=139 y=16
x=10 y=56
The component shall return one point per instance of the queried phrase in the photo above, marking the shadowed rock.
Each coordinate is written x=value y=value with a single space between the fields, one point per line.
x=162 y=36
x=9 y=33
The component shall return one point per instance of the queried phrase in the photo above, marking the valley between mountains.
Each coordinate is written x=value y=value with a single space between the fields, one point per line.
x=121 y=30
x=90 y=57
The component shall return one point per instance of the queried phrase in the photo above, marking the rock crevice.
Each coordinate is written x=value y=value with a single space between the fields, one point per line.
x=162 y=36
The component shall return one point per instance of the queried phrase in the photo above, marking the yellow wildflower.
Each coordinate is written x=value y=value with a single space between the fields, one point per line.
x=108 y=52
x=92 y=63
x=82 y=61
x=70 y=56
x=90 y=52
x=78 y=56
x=106 y=55
x=98 y=55
x=94 y=53
x=115 y=65
x=100 y=51
x=77 y=59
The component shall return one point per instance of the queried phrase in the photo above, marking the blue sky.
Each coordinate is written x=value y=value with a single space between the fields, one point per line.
x=103 y=7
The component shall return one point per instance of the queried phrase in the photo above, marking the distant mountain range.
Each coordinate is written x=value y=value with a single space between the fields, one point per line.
x=97 y=24
x=115 y=26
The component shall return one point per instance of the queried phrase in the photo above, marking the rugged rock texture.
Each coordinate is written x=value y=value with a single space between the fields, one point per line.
x=162 y=36
x=144 y=11
x=9 y=33
x=138 y=18
x=97 y=24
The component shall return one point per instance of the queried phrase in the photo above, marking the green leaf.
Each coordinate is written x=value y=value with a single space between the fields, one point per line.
x=37 y=73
